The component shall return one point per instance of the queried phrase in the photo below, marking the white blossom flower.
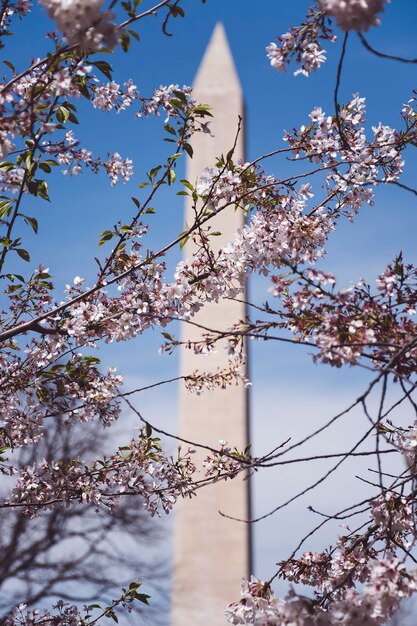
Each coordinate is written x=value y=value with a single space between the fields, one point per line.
x=356 y=15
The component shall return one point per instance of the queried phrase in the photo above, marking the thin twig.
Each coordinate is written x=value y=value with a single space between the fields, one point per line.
x=345 y=143
x=383 y=55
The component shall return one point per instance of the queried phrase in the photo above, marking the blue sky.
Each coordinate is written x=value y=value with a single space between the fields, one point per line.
x=287 y=388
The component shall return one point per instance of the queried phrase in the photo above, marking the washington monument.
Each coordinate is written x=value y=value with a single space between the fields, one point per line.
x=211 y=553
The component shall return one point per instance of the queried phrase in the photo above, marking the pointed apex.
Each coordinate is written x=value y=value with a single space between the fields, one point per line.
x=217 y=72
x=219 y=38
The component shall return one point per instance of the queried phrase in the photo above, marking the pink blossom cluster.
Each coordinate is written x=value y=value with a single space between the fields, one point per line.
x=117 y=167
x=46 y=368
x=356 y=15
x=277 y=232
x=393 y=513
x=75 y=158
x=75 y=387
x=234 y=374
x=273 y=238
x=265 y=241
x=107 y=97
x=161 y=100
x=355 y=164
x=359 y=582
x=405 y=440
x=19 y=8
x=49 y=376
x=65 y=615
x=110 y=95
x=140 y=305
x=347 y=324
x=83 y=23
x=217 y=185
x=16 y=119
x=6 y=144
x=326 y=571
x=386 y=584
x=302 y=44
x=226 y=462
x=140 y=468
x=408 y=112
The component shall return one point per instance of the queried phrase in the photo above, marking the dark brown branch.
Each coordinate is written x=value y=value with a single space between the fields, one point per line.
x=345 y=142
x=383 y=55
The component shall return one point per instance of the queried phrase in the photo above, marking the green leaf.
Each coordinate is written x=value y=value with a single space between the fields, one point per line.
x=176 y=103
x=17 y=276
x=203 y=110
x=28 y=160
x=105 y=68
x=175 y=156
x=24 y=254
x=10 y=66
x=134 y=34
x=91 y=360
x=398 y=265
x=106 y=235
x=45 y=167
x=111 y=614
x=32 y=221
x=125 y=41
x=82 y=85
x=154 y=171
x=5 y=206
x=6 y=166
x=170 y=129
x=38 y=188
x=187 y=184
x=177 y=11
x=13 y=288
x=142 y=597
x=132 y=585
x=183 y=242
x=180 y=95
x=62 y=114
x=72 y=118
x=189 y=150
x=43 y=189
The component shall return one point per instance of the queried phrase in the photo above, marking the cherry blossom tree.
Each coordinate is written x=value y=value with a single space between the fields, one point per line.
x=50 y=368
x=71 y=552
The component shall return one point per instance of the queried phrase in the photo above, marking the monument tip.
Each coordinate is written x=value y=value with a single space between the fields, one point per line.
x=217 y=70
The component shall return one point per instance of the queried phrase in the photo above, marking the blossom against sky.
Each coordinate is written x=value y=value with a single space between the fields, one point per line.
x=276 y=102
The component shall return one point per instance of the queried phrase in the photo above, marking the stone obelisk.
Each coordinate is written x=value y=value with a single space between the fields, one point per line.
x=211 y=553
